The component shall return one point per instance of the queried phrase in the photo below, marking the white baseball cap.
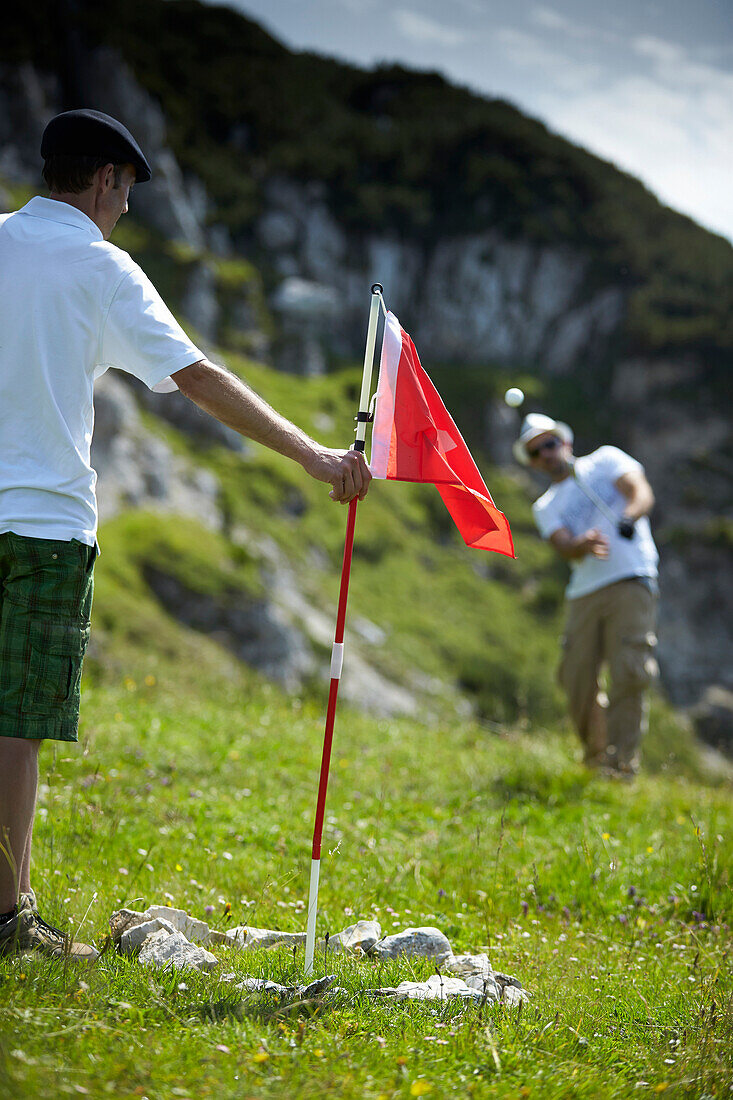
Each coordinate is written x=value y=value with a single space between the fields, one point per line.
x=535 y=424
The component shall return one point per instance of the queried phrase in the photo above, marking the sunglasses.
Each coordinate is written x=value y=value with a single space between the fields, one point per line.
x=549 y=445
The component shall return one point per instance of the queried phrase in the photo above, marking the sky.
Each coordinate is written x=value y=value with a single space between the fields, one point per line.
x=647 y=84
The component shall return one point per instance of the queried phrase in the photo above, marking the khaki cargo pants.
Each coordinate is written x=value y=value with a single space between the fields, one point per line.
x=614 y=626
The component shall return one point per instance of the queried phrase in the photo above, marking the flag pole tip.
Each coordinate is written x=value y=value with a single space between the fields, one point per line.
x=377 y=288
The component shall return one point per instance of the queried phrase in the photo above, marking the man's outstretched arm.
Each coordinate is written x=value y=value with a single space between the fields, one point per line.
x=638 y=493
x=231 y=401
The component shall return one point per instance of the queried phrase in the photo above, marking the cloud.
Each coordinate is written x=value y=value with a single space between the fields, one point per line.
x=420 y=28
x=674 y=66
x=551 y=20
x=670 y=122
x=547 y=17
x=530 y=51
x=657 y=49
x=656 y=108
x=357 y=7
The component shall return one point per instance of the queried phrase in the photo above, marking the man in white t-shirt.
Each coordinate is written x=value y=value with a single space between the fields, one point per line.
x=71 y=306
x=595 y=515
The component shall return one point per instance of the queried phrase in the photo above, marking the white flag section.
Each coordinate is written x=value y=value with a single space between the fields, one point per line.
x=384 y=414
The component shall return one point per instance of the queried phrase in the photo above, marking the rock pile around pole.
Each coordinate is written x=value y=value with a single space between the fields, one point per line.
x=162 y=936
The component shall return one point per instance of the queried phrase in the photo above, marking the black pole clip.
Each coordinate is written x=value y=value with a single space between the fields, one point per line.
x=377 y=288
x=364 y=417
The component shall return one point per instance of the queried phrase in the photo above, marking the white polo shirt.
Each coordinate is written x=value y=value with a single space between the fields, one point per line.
x=566 y=505
x=71 y=305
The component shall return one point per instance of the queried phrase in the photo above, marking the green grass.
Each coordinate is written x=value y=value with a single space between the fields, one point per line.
x=194 y=783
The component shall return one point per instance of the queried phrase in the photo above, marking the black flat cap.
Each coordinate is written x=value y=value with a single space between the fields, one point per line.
x=88 y=133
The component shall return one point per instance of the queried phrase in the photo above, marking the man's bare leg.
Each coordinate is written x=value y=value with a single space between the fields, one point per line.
x=24 y=879
x=18 y=790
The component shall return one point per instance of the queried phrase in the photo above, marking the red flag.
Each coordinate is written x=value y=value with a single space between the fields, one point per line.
x=415 y=439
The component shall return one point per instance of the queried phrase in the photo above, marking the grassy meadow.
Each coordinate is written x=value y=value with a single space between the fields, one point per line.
x=611 y=904
x=194 y=782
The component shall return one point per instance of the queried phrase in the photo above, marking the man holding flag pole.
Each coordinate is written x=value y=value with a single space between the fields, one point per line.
x=71 y=306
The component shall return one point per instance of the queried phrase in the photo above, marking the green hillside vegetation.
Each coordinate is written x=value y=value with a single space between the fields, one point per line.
x=401 y=151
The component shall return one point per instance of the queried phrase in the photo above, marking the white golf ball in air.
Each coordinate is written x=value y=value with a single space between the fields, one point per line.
x=514 y=397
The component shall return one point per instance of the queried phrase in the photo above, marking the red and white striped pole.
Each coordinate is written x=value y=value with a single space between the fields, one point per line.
x=337 y=653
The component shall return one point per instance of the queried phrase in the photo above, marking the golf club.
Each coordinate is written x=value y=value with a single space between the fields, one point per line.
x=621 y=524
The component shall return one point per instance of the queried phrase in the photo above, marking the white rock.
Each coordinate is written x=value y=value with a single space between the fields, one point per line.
x=428 y=942
x=165 y=948
x=135 y=936
x=513 y=996
x=303 y=299
x=261 y=985
x=485 y=985
x=466 y=965
x=247 y=936
x=316 y=988
x=511 y=990
x=195 y=931
x=360 y=936
x=123 y=919
x=476 y=972
x=221 y=937
x=436 y=988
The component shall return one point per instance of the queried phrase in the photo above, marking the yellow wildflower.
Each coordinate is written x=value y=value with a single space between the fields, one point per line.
x=420 y=1088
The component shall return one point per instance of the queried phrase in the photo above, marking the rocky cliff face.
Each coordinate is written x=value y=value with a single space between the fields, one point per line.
x=470 y=299
x=467 y=299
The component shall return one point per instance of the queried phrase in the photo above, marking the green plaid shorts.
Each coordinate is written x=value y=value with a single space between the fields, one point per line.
x=45 y=605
